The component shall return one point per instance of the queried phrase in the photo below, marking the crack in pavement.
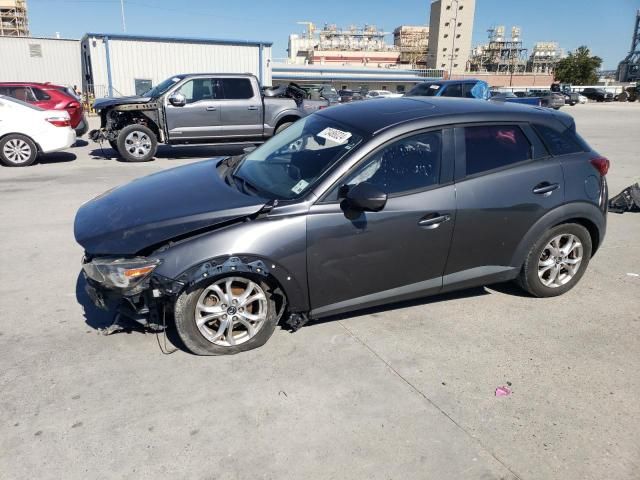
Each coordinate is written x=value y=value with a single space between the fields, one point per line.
x=431 y=402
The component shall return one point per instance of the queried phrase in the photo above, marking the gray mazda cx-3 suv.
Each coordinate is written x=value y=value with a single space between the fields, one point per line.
x=358 y=205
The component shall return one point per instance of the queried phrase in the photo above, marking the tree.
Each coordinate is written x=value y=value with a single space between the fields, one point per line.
x=578 y=68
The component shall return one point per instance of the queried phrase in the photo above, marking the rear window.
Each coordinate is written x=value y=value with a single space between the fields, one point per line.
x=237 y=88
x=560 y=143
x=495 y=146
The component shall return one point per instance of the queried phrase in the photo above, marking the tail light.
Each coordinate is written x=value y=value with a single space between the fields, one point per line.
x=59 y=121
x=601 y=164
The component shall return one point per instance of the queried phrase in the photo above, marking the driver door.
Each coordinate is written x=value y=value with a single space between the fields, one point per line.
x=200 y=118
x=360 y=259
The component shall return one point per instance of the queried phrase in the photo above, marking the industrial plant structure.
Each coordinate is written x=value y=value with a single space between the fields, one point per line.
x=501 y=54
x=13 y=18
x=544 y=57
x=343 y=46
x=413 y=42
x=450 y=31
x=629 y=68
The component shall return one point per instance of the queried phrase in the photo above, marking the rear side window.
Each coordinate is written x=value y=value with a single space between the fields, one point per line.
x=453 y=90
x=495 y=146
x=466 y=90
x=559 y=143
x=40 y=95
x=237 y=88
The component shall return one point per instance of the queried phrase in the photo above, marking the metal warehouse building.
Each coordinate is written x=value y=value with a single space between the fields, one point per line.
x=31 y=59
x=114 y=65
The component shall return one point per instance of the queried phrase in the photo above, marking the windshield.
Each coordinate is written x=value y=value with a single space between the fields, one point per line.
x=292 y=162
x=425 y=90
x=162 y=87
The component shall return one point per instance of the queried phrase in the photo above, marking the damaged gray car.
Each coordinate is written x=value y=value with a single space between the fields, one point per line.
x=355 y=206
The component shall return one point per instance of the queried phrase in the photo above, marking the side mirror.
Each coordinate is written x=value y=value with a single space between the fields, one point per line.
x=178 y=99
x=365 y=197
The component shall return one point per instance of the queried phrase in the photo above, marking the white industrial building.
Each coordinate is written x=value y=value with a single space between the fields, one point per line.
x=114 y=64
x=31 y=59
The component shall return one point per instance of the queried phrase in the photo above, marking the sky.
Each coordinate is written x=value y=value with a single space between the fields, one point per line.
x=605 y=27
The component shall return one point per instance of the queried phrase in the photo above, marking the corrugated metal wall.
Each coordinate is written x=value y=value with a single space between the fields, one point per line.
x=56 y=61
x=156 y=60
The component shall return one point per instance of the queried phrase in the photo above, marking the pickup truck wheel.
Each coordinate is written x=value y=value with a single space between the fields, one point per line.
x=226 y=315
x=137 y=143
x=283 y=126
x=17 y=151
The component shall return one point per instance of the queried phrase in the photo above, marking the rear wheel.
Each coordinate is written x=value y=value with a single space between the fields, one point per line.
x=557 y=261
x=17 y=151
x=225 y=316
x=137 y=143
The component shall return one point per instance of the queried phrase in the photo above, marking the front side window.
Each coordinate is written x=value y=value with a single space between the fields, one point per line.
x=410 y=164
x=200 y=89
x=237 y=88
x=495 y=146
x=293 y=161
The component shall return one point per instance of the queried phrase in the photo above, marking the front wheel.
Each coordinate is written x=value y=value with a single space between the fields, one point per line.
x=137 y=143
x=282 y=127
x=557 y=261
x=227 y=315
x=17 y=151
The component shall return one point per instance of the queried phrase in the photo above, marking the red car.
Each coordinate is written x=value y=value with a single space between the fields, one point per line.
x=49 y=97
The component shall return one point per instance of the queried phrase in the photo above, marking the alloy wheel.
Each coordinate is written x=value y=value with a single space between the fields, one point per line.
x=560 y=260
x=231 y=311
x=138 y=144
x=17 y=151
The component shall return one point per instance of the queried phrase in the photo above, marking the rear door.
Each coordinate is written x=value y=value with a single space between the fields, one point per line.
x=505 y=182
x=241 y=108
x=200 y=118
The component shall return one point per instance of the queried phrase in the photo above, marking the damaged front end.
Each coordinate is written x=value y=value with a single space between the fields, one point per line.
x=114 y=117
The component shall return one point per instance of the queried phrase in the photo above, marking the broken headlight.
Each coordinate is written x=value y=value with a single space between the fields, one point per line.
x=121 y=272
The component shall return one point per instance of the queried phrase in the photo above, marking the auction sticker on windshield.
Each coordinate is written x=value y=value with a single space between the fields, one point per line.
x=335 y=135
x=300 y=186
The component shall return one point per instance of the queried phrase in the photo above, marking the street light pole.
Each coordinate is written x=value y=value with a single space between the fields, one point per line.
x=124 y=24
x=453 y=40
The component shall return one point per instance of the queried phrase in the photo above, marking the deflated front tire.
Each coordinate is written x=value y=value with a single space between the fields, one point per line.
x=226 y=315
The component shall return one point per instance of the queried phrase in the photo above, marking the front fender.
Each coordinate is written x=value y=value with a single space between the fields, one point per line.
x=275 y=246
x=578 y=211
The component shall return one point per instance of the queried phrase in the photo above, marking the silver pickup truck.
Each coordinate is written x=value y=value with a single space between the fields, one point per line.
x=198 y=109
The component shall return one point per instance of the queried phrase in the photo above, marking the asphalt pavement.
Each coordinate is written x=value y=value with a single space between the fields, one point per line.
x=401 y=392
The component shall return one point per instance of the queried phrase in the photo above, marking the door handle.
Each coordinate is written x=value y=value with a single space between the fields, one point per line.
x=545 y=188
x=252 y=107
x=211 y=109
x=434 y=221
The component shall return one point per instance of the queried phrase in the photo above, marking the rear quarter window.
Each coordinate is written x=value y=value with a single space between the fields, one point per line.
x=560 y=143
x=40 y=94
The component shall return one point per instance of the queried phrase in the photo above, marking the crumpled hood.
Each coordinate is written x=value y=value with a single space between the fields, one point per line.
x=158 y=207
x=101 y=103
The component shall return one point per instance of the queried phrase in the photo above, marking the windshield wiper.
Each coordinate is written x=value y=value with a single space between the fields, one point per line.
x=246 y=185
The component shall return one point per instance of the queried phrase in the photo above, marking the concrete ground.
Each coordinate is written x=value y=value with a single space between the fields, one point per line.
x=405 y=392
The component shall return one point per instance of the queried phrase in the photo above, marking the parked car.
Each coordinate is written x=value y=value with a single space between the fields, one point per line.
x=597 y=94
x=382 y=94
x=452 y=88
x=510 y=97
x=27 y=130
x=566 y=89
x=197 y=109
x=347 y=96
x=549 y=99
x=351 y=207
x=49 y=97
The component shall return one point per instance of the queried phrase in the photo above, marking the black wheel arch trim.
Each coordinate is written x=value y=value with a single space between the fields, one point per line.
x=578 y=212
x=272 y=272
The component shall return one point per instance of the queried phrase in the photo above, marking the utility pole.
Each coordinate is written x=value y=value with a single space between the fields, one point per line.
x=124 y=23
x=453 y=40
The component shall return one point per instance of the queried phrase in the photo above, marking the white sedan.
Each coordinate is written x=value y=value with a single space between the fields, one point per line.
x=382 y=94
x=26 y=130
